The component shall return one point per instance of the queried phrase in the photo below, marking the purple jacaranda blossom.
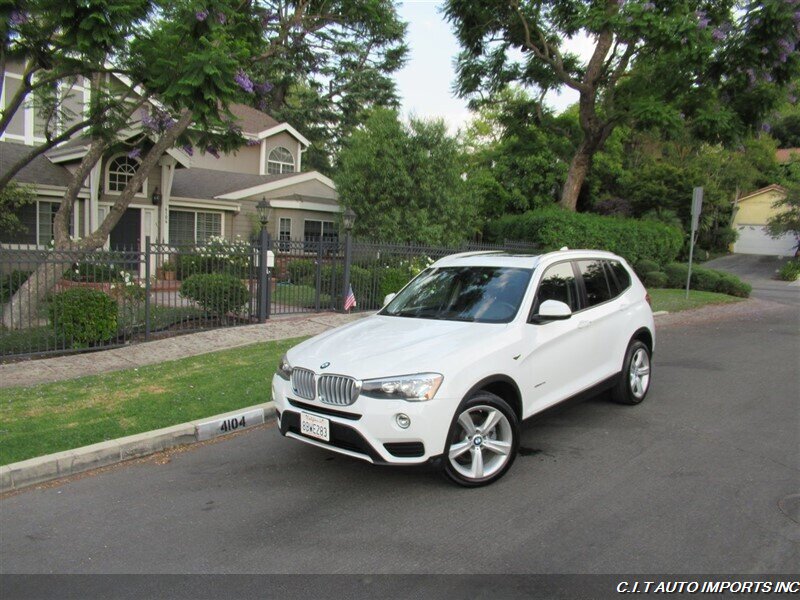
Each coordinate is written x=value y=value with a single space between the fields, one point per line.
x=786 y=45
x=212 y=151
x=751 y=76
x=253 y=142
x=649 y=6
x=18 y=17
x=262 y=89
x=261 y=104
x=629 y=19
x=159 y=121
x=718 y=34
x=222 y=18
x=768 y=77
x=783 y=56
x=244 y=82
x=201 y=15
x=188 y=149
x=764 y=50
x=702 y=19
x=766 y=127
x=792 y=99
x=135 y=153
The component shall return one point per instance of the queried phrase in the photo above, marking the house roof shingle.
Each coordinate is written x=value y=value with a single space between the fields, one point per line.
x=40 y=170
x=208 y=183
x=252 y=120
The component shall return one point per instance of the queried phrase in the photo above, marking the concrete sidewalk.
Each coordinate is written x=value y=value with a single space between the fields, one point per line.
x=47 y=370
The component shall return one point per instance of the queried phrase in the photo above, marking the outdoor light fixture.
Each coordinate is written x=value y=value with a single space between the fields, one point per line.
x=264 y=211
x=349 y=219
x=156 y=197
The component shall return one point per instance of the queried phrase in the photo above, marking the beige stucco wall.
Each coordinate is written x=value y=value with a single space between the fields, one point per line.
x=758 y=209
x=245 y=160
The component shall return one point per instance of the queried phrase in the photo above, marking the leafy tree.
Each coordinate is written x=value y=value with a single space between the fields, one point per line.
x=712 y=65
x=405 y=182
x=334 y=69
x=176 y=65
x=515 y=162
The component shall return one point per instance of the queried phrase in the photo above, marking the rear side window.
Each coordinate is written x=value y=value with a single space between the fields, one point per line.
x=558 y=283
x=620 y=273
x=595 y=281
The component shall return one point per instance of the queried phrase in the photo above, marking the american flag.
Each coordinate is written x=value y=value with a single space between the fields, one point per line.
x=350 y=301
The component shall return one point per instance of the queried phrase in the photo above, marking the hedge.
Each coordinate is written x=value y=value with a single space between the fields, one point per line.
x=83 y=316
x=217 y=293
x=552 y=228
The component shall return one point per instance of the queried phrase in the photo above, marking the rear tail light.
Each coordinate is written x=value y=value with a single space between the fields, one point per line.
x=647 y=298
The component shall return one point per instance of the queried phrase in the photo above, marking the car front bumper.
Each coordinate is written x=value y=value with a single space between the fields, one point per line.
x=368 y=429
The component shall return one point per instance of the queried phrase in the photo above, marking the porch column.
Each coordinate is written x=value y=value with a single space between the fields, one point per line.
x=95 y=177
x=167 y=174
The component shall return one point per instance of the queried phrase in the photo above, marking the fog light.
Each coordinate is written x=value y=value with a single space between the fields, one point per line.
x=403 y=421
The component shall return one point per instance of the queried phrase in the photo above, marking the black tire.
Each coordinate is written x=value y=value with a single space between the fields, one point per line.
x=626 y=391
x=504 y=434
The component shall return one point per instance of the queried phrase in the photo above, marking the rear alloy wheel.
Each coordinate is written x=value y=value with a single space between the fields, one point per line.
x=634 y=381
x=483 y=441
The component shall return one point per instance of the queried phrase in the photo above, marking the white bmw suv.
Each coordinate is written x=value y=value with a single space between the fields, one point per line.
x=472 y=346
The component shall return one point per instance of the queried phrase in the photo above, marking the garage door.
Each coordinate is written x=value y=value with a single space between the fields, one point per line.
x=754 y=239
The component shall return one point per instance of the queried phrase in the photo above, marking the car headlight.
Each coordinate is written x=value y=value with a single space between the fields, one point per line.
x=414 y=388
x=284 y=369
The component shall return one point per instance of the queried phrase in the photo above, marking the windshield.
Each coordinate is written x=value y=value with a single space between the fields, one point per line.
x=480 y=294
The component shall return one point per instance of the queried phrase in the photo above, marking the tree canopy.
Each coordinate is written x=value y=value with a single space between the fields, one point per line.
x=405 y=182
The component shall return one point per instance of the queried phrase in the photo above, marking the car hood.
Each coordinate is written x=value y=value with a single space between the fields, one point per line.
x=381 y=346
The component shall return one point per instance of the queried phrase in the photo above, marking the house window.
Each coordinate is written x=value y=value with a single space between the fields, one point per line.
x=284 y=233
x=36 y=219
x=314 y=230
x=193 y=227
x=280 y=160
x=120 y=171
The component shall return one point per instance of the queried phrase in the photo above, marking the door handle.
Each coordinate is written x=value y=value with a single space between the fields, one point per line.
x=583 y=324
x=623 y=306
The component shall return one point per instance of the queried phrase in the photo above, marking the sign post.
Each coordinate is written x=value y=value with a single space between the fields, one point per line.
x=697 y=206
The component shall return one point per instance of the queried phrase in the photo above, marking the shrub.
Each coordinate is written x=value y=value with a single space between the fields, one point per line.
x=11 y=282
x=94 y=272
x=83 y=316
x=301 y=272
x=733 y=286
x=218 y=293
x=676 y=275
x=705 y=279
x=393 y=279
x=655 y=279
x=643 y=267
x=552 y=228
x=790 y=271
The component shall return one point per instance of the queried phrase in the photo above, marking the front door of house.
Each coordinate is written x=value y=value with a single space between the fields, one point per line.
x=127 y=236
x=127 y=233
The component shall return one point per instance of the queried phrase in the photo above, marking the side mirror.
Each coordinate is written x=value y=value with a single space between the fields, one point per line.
x=388 y=298
x=552 y=310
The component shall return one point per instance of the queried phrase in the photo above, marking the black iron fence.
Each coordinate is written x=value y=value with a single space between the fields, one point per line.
x=61 y=301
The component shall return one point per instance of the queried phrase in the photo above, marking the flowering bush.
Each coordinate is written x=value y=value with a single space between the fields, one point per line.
x=217 y=255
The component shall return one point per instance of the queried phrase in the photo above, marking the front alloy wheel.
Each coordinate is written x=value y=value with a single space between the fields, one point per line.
x=483 y=441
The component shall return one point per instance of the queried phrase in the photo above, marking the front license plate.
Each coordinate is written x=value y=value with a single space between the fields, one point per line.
x=314 y=426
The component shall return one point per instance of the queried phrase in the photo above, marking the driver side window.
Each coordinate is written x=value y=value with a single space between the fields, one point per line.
x=558 y=283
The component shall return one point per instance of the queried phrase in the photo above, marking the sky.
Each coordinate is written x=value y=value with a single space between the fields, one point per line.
x=425 y=84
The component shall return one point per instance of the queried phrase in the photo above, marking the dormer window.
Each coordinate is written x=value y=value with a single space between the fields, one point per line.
x=121 y=170
x=280 y=160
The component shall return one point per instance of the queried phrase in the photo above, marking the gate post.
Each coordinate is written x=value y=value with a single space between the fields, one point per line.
x=263 y=277
x=147 y=253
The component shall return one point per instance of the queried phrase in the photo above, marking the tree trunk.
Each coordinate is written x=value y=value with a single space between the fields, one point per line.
x=578 y=169
x=22 y=311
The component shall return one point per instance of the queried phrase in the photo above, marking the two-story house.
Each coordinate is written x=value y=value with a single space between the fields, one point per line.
x=191 y=195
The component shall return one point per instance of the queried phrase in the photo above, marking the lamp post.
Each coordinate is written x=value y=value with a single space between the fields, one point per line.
x=348 y=220
x=264 y=214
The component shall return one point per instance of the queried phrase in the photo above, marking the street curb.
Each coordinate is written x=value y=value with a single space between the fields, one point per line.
x=660 y=313
x=71 y=462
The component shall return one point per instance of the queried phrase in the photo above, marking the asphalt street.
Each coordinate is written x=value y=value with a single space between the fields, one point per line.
x=760 y=272
x=703 y=477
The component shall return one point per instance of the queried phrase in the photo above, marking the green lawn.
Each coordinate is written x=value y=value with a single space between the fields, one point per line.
x=675 y=300
x=60 y=416
x=299 y=295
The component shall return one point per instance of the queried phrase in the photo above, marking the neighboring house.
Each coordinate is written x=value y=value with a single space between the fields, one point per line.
x=750 y=216
x=190 y=196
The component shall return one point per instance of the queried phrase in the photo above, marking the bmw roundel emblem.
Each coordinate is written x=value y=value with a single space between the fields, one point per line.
x=325 y=365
